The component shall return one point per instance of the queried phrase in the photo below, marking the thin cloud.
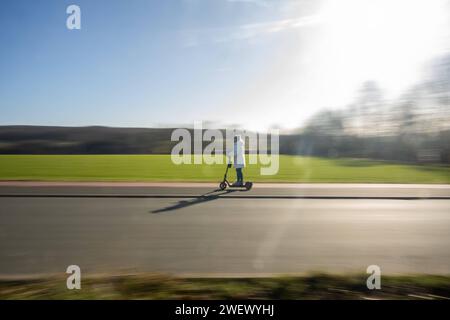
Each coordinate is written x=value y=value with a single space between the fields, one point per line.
x=259 y=29
x=246 y=31
x=261 y=3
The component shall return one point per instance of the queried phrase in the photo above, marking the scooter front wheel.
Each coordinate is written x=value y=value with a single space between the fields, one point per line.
x=222 y=185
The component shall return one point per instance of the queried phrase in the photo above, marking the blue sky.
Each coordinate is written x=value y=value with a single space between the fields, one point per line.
x=250 y=62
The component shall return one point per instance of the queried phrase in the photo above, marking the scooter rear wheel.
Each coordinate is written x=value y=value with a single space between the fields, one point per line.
x=222 y=185
x=248 y=185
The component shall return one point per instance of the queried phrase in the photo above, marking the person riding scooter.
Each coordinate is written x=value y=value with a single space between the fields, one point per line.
x=239 y=159
x=238 y=156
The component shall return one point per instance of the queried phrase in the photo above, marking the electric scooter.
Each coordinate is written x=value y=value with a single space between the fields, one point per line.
x=225 y=183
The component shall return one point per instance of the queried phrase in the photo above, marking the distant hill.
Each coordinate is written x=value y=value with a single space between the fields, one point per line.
x=84 y=140
x=108 y=140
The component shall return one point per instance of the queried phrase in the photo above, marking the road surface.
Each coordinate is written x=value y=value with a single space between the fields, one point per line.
x=192 y=230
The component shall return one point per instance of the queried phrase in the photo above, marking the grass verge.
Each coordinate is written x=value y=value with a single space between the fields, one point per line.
x=157 y=286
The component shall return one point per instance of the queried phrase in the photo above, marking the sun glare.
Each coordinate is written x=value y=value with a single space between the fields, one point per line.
x=384 y=40
x=346 y=43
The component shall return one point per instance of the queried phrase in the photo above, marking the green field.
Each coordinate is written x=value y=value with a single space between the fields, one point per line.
x=161 y=168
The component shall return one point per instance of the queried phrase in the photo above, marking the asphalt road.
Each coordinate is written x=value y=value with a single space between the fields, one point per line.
x=216 y=234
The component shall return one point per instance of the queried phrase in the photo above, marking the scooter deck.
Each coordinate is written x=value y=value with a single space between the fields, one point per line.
x=247 y=186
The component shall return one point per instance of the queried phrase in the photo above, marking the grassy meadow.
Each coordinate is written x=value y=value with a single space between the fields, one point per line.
x=161 y=168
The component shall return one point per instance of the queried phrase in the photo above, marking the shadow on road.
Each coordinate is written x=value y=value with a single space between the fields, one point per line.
x=212 y=195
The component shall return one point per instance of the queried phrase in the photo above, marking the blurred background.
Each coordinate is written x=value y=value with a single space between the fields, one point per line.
x=351 y=78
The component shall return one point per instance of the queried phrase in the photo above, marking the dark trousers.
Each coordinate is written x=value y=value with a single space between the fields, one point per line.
x=240 y=176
